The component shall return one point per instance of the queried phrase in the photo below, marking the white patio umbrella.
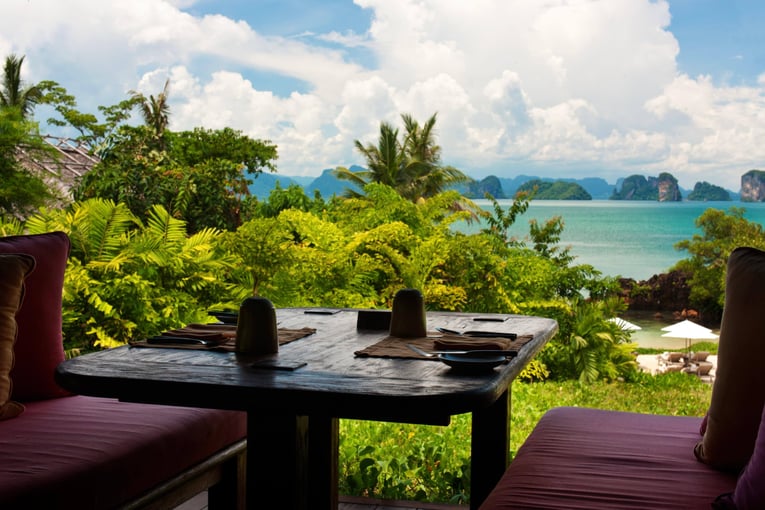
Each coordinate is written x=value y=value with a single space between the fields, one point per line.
x=626 y=325
x=686 y=325
x=690 y=331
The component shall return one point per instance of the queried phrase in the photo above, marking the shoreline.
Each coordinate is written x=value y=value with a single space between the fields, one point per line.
x=650 y=334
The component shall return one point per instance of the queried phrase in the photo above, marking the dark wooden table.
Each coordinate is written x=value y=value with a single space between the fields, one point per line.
x=293 y=415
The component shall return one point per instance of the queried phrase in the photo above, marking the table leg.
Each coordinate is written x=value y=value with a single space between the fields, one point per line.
x=490 y=448
x=323 y=444
x=291 y=462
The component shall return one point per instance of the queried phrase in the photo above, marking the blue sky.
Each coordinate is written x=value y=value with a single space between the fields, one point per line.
x=561 y=88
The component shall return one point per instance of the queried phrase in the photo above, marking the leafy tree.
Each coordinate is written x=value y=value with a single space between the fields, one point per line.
x=22 y=192
x=411 y=166
x=292 y=197
x=201 y=176
x=99 y=136
x=155 y=112
x=722 y=232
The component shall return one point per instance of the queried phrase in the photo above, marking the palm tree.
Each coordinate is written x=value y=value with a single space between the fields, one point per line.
x=411 y=166
x=155 y=111
x=384 y=162
x=425 y=174
x=14 y=93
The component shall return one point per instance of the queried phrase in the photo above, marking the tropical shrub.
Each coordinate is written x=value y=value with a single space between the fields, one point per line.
x=127 y=280
x=708 y=252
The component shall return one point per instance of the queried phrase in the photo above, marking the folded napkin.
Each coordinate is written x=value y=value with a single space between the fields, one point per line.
x=219 y=333
x=461 y=343
x=394 y=347
x=221 y=336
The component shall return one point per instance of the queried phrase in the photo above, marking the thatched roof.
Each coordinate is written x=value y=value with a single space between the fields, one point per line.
x=72 y=161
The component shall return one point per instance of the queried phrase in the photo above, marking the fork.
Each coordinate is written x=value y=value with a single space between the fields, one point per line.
x=477 y=352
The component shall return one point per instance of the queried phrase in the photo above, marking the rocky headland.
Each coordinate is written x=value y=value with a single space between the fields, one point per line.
x=666 y=295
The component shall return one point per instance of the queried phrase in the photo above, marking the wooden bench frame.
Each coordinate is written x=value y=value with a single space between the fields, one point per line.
x=223 y=475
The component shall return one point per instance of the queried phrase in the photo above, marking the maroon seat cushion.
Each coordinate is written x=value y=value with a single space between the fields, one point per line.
x=590 y=459
x=39 y=345
x=82 y=452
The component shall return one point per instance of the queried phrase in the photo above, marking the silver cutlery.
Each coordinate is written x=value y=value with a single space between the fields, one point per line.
x=180 y=340
x=477 y=352
x=478 y=334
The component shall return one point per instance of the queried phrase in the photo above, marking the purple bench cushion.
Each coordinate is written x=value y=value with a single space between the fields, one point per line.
x=579 y=458
x=39 y=345
x=94 y=453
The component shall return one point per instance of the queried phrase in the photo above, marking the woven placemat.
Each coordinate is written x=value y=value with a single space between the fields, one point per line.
x=395 y=347
x=225 y=335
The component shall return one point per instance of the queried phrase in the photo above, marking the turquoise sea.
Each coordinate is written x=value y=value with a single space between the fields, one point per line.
x=619 y=238
x=630 y=239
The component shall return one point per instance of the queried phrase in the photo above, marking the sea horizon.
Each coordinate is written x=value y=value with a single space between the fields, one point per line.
x=630 y=239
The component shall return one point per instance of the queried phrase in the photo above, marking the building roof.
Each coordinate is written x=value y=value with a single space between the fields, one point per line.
x=72 y=161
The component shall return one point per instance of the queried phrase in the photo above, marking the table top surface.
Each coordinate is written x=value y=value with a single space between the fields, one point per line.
x=333 y=382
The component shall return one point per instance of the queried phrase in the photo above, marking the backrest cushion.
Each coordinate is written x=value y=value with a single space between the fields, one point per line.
x=13 y=269
x=39 y=345
x=749 y=493
x=750 y=488
x=738 y=393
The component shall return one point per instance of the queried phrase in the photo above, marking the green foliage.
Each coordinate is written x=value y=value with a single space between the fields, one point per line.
x=21 y=191
x=704 y=191
x=500 y=220
x=722 y=232
x=558 y=190
x=407 y=462
x=200 y=176
x=126 y=279
x=594 y=349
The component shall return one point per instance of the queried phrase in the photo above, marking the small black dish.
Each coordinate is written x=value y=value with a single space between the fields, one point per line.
x=471 y=363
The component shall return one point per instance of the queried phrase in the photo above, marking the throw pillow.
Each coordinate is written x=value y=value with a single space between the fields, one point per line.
x=39 y=345
x=738 y=393
x=749 y=493
x=13 y=269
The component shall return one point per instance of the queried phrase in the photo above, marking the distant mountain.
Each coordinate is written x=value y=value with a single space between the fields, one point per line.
x=506 y=187
x=328 y=185
x=263 y=183
x=753 y=186
x=303 y=180
x=598 y=188
x=637 y=187
x=478 y=189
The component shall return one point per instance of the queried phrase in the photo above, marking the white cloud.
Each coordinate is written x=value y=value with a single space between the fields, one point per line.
x=593 y=83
